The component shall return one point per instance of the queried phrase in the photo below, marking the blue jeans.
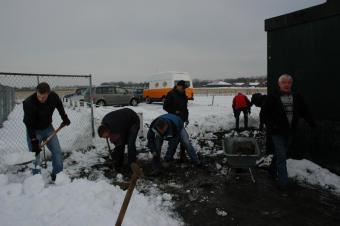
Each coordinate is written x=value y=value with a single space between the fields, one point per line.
x=156 y=160
x=185 y=140
x=53 y=145
x=279 y=166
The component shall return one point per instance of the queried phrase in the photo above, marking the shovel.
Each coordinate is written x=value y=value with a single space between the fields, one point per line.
x=42 y=145
x=137 y=173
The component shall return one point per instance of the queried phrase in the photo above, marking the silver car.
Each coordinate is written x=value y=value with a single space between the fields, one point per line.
x=110 y=96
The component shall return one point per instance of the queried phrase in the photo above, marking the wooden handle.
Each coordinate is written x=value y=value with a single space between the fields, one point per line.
x=51 y=136
x=137 y=173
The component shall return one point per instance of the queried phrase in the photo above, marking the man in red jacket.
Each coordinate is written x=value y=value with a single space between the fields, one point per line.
x=241 y=103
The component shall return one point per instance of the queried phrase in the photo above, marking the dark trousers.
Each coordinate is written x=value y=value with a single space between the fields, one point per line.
x=278 y=166
x=182 y=151
x=118 y=152
x=237 y=113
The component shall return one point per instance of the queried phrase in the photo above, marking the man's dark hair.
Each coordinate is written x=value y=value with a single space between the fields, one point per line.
x=160 y=124
x=43 y=88
x=181 y=83
x=102 y=129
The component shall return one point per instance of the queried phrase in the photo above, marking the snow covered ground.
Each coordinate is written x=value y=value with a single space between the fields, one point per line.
x=80 y=202
x=310 y=173
x=29 y=200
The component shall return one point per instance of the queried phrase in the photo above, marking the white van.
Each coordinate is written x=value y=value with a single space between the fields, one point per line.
x=161 y=83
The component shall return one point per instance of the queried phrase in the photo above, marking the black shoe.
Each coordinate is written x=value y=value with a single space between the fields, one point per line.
x=282 y=187
x=183 y=157
x=272 y=175
x=53 y=177
x=155 y=172
x=167 y=163
x=118 y=166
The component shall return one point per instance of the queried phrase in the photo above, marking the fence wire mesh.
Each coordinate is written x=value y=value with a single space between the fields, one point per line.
x=7 y=102
x=15 y=88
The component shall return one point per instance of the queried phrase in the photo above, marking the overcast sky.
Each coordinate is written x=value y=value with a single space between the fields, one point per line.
x=129 y=40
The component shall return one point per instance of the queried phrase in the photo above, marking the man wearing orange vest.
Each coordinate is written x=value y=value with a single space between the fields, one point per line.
x=241 y=103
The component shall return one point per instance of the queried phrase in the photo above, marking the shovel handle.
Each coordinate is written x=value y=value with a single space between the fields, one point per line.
x=51 y=136
x=137 y=173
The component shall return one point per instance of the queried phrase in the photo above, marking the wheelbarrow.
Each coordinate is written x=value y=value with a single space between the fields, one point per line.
x=241 y=153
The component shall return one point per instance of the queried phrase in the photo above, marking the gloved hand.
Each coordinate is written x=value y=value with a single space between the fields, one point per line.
x=186 y=123
x=35 y=146
x=66 y=122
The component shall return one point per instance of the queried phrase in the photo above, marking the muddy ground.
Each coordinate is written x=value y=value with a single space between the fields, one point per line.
x=205 y=197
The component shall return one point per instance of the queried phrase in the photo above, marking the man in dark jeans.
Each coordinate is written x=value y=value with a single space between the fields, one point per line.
x=168 y=127
x=241 y=103
x=258 y=100
x=176 y=102
x=281 y=112
x=121 y=127
x=38 y=111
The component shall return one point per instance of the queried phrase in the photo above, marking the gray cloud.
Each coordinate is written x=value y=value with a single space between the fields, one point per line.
x=128 y=40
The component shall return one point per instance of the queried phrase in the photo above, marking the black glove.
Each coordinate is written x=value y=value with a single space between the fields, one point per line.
x=35 y=146
x=66 y=122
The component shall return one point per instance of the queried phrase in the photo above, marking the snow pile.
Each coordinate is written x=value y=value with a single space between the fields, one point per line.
x=11 y=158
x=78 y=135
x=13 y=144
x=221 y=212
x=34 y=184
x=80 y=202
x=309 y=172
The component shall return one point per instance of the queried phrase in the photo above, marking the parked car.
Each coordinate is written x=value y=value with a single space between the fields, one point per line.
x=160 y=84
x=138 y=94
x=110 y=96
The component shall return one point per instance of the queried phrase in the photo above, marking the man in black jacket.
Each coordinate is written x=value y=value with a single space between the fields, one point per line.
x=176 y=102
x=281 y=112
x=38 y=111
x=258 y=100
x=121 y=127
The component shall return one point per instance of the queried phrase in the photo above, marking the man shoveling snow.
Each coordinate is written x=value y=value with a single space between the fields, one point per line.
x=38 y=111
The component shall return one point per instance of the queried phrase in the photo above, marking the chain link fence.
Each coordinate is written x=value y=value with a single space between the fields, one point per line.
x=16 y=87
x=7 y=102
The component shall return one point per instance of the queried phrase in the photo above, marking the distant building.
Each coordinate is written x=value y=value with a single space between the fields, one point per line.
x=253 y=84
x=218 y=84
x=239 y=84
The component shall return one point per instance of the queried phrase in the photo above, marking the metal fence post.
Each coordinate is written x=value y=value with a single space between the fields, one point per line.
x=213 y=99
x=2 y=105
x=6 y=104
x=91 y=103
x=13 y=98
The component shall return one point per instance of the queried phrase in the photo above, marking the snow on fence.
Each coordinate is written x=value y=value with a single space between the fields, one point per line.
x=13 y=139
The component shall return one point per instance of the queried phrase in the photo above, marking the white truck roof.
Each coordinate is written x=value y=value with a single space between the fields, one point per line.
x=170 y=75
